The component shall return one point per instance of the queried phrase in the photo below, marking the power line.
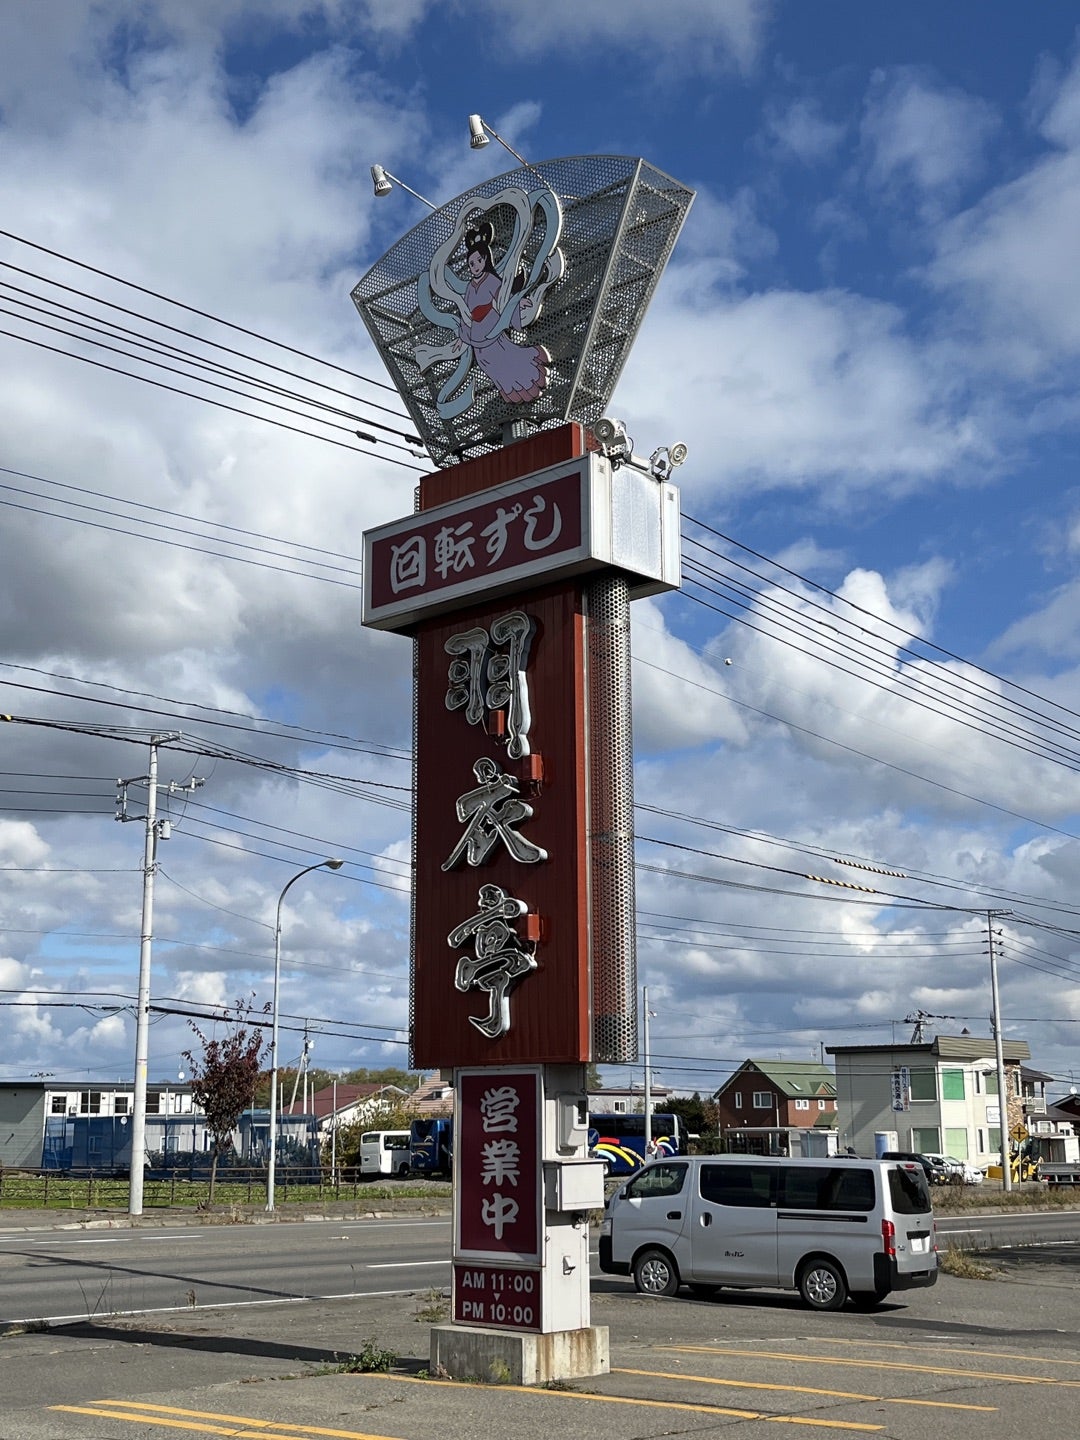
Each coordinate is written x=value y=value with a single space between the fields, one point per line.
x=193 y=310
x=960 y=681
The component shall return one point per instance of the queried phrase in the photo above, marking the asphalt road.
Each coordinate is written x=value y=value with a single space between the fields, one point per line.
x=60 y=1275
x=67 y=1275
x=974 y=1359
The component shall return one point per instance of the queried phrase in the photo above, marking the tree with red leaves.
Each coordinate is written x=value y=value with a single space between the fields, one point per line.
x=224 y=1076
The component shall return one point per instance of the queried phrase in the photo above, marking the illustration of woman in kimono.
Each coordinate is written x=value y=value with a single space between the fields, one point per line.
x=495 y=296
x=519 y=372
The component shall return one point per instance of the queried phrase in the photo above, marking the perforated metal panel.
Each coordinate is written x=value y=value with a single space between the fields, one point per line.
x=609 y=734
x=620 y=218
x=412 y=840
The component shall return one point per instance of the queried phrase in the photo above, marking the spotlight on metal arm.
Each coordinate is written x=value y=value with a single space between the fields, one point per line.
x=479 y=130
x=384 y=182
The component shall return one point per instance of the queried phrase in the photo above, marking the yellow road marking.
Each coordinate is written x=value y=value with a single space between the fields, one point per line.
x=142 y=1405
x=914 y=1345
x=633 y=1400
x=232 y=1432
x=799 y=1389
x=874 y=1365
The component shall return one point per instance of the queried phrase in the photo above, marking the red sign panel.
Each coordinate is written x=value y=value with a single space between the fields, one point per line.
x=504 y=539
x=498 y=1296
x=500 y=937
x=497 y=1166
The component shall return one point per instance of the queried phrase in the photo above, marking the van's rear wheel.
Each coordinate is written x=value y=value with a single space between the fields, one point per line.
x=822 y=1285
x=655 y=1273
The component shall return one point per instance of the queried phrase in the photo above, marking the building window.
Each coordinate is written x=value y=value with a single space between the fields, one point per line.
x=618 y=1107
x=991 y=1082
x=821 y=1104
x=922 y=1086
x=120 y=1104
x=802 y=1104
x=738 y=1099
x=980 y=1136
x=90 y=1102
x=926 y=1137
x=952 y=1085
x=58 y=1105
x=763 y=1100
x=956 y=1142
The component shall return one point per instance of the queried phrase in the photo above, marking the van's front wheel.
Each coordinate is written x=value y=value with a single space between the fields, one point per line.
x=655 y=1273
x=822 y=1285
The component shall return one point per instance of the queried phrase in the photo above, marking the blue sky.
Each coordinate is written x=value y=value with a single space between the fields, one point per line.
x=869 y=339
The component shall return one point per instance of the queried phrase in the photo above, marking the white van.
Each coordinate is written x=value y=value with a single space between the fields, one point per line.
x=829 y=1228
x=384 y=1152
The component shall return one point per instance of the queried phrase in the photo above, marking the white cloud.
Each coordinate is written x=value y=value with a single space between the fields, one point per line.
x=1049 y=631
x=786 y=388
x=695 y=35
x=801 y=130
x=922 y=137
x=916 y=715
x=674 y=690
x=1011 y=258
x=21 y=845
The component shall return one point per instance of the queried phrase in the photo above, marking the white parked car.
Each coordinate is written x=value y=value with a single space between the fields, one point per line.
x=964 y=1172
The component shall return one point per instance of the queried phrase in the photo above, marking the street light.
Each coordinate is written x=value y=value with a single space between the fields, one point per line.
x=272 y=1154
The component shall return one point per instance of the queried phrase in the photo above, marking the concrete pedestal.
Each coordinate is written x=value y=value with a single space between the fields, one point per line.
x=515 y=1358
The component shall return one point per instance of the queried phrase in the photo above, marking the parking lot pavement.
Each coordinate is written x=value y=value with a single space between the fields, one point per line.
x=970 y=1357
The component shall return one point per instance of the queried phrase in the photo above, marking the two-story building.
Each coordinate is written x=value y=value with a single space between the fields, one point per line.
x=939 y=1095
x=26 y=1105
x=774 y=1107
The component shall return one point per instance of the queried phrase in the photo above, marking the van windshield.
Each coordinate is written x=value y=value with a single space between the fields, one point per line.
x=908 y=1190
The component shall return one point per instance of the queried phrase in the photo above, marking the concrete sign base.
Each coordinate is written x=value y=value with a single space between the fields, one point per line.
x=511 y=1358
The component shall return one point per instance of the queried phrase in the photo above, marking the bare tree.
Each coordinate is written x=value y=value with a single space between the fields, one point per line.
x=224 y=1074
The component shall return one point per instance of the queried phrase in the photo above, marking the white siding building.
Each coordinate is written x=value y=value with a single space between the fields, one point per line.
x=938 y=1096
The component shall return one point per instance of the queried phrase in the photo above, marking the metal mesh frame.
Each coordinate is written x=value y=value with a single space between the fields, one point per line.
x=620 y=220
x=612 y=899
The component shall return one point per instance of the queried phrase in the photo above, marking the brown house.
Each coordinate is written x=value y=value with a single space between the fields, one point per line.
x=766 y=1100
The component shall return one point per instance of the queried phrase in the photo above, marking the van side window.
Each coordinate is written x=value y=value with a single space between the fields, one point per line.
x=747 y=1185
x=657 y=1180
x=827 y=1187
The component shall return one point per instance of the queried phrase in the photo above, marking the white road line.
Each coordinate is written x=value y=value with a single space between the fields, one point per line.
x=215 y=1305
x=404 y=1264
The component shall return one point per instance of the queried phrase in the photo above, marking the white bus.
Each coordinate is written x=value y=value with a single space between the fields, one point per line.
x=384 y=1152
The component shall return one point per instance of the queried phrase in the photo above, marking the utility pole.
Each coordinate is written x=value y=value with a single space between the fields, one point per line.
x=648 y=1078
x=999 y=1051
x=155 y=830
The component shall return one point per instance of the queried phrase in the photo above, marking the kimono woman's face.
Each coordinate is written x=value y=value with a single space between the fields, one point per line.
x=476 y=264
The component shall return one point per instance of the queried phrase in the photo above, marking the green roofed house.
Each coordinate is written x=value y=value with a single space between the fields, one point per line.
x=779 y=1107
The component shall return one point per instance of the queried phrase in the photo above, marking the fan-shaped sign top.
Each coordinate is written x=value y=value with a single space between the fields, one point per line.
x=515 y=305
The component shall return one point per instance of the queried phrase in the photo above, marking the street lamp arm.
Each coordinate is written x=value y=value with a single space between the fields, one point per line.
x=271 y=1160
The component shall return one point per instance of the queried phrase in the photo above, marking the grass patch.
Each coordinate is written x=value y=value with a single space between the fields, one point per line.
x=63 y=1192
x=1032 y=1195
x=432 y=1308
x=955 y=1260
x=372 y=1359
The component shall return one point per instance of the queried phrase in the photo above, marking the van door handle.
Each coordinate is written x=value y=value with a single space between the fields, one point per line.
x=706 y=1219
x=674 y=1214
